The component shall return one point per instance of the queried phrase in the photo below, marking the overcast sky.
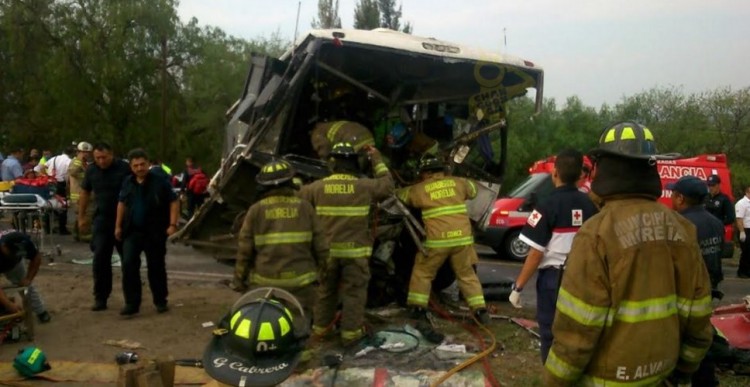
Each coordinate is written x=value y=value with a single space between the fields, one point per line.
x=600 y=50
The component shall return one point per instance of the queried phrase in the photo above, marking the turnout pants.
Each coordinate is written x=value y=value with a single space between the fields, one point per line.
x=426 y=267
x=16 y=275
x=103 y=244
x=547 y=286
x=155 y=249
x=345 y=279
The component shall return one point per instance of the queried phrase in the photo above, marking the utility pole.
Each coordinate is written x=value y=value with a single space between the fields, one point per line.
x=505 y=40
x=296 y=26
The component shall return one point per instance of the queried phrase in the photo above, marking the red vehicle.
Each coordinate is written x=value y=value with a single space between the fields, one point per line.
x=509 y=213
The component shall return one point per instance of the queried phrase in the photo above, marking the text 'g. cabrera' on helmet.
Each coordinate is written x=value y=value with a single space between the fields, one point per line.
x=255 y=343
x=399 y=136
x=630 y=140
x=343 y=150
x=276 y=172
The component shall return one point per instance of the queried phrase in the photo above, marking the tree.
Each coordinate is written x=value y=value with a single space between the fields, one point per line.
x=328 y=15
x=390 y=17
x=366 y=15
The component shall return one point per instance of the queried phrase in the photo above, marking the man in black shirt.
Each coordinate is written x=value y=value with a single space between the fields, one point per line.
x=688 y=193
x=14 y=247
x=103 y=179
x=717 y=203
x=147 y=214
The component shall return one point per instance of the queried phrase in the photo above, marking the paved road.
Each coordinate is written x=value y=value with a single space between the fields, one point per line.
x=734 y=288
x=185 y=263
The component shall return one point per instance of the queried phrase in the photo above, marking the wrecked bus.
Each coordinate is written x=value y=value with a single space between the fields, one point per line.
x=452 y=93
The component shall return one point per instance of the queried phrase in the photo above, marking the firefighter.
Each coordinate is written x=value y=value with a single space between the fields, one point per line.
x=342 y=202
x=281 y=242
x=449 y=236
x=635 y=300
x=549 y=232
x=76 y=171
x=326 y=134
x=717 y=202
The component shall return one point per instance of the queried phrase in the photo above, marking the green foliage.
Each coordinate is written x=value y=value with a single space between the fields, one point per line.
x=366 y=15
x=710 y=122
x=328 y=15
x=370 y=14
x=128 y=72
x=390 y=17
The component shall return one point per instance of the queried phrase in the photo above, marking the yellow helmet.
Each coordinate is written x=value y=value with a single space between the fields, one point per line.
x=628 y=139
x=275 y=173
x=255 y=345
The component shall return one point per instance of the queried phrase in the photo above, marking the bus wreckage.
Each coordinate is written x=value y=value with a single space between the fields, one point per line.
x=454 y=94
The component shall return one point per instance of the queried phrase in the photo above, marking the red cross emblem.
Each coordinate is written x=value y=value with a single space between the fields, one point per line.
x=534 y=218
x=577 y=217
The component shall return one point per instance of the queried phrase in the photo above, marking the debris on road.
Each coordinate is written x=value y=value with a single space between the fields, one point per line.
x=127 y=344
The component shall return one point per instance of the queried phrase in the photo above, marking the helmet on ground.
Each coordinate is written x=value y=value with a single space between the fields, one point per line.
x=343 y=150
x=399 y=135
x=275 y=173
x=254 y=345
x=83 y=146
x=628 y=139
x=430 y=163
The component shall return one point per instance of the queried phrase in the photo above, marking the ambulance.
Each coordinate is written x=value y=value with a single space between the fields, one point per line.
x=510 y=212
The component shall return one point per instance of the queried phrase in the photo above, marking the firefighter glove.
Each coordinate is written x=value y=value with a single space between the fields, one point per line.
x=515 y=297
x=742 y=236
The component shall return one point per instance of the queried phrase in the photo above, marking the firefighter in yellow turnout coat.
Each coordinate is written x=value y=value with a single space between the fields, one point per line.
x=342 y=202
x=442 y=200
x=327 y=134
x=634 y=303
x=281 y=242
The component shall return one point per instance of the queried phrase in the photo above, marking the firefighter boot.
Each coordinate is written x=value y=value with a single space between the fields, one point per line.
x=482 y=317
x=424 y=326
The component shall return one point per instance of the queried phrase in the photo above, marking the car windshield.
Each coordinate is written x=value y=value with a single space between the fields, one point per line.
x=536 y=182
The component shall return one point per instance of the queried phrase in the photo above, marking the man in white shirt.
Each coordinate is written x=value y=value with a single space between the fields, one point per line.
x=57 y=167
x=742 y=212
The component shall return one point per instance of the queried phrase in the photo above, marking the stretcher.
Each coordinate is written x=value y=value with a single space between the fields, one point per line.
x=30 y=214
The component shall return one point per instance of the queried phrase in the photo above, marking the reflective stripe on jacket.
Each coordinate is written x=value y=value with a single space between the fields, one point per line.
x=634 y=303
x=442 y=200
x=280 y=242
x=342 y=202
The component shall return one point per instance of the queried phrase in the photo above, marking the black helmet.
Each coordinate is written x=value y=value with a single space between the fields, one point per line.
x=628 y=139
x=430 y=162
x=255 y=345
x=275 y=173
x=343 y=150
